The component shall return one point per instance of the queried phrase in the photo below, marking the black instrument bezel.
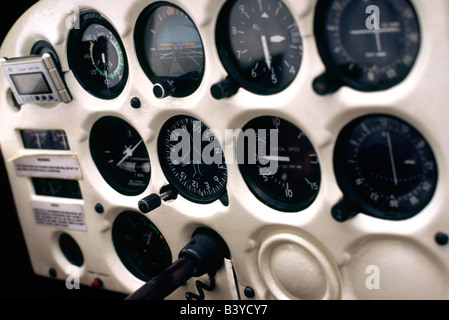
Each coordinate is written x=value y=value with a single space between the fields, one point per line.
x=75 y=56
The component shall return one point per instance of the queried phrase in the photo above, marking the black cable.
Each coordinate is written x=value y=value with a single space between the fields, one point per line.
x=204 y=253
x=166 y=282
x=200 y=287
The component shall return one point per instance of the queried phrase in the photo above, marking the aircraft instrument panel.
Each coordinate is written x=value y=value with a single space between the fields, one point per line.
x=310 y=135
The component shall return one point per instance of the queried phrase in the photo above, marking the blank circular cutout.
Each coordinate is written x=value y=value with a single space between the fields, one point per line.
x=71 y=250
x=295 y=268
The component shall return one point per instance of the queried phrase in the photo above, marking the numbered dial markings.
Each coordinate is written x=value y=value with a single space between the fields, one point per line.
x=385 y=167
x=140 y=245
x=170 y=49
x=120 y=155
x=96 y=56
x=368 y=45
x=192 y=159
x=280 y=165
x=260 y=44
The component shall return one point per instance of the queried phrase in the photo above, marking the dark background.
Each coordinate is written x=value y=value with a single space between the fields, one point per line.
x=17 y=279
x=11 y=14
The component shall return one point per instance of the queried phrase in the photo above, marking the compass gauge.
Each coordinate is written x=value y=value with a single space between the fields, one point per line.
x=385 y=167
x=192 y=159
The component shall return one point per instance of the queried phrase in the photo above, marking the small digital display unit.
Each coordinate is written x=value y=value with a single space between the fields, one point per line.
x=35 y=79
x=30 y=83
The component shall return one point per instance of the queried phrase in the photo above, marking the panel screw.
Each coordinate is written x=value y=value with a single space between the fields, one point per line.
x=99 y=208
x=135 y=103
x=249 y=292
x=441 y=238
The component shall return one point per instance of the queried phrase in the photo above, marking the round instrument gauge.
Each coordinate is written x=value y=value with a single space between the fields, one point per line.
x=192 y=159
x=385 y=167
x=280 y=165
x=259 y=44
x=97 y=57
x=367 y=45
x=140 y=246
x=169 y=49
x=120 y=155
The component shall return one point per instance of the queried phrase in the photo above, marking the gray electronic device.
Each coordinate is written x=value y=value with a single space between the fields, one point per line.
x=35 y=79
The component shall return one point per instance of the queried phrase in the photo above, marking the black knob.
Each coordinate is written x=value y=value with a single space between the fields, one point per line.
x=441 y=238
x=325 y=84
x=224 y=89
x=163 y=89
x=344 y=210
x=149 y=203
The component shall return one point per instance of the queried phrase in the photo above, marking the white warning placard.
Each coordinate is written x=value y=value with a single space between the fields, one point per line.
x=48 y=166
x=59 y=215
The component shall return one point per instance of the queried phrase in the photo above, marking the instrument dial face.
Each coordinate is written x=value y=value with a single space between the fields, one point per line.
x=169 y=48
x=282 y=168
x=368 y=45
x=96 y=56
x=120 y=155
x=192 y=159
x=260 y=44
x=140 y=245
x=385 y=167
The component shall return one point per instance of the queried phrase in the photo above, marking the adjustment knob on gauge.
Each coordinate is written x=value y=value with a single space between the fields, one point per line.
x=149 y=203
x=224 y=89
x=344 y=210
x=153 y=201
x=163 y=89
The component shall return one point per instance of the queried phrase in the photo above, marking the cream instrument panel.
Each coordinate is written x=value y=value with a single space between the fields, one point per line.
x=357 y=92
